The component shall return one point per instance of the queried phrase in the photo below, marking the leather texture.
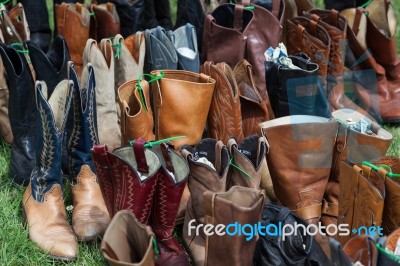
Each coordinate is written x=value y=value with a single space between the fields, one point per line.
x=128 y=242
x=18 y=19
x=5 y=127
x=224 y=117
x=136 y=113
x=254 y=109
x=9 y=32
x=102 y=58
x=105 y=21
x=185 y=97
x=299 y=160
x=22 y=114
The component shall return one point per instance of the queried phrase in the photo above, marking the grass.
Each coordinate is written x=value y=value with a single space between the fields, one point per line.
x=15 y=247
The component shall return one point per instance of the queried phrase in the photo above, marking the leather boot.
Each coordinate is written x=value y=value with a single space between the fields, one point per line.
x=170 y=185
x=224 y=116
x=299 y=160
x=362 y=249
x=42 y=202
x=19 y=20
x=128 y=242
x=102 y=59
x=249 y=166
x=129 y=57
x=22 y=114
x=90 y=217
x=5 y=127
x=185 y=97
x=254 y=108
x=127 y=178
x=73 y=23
x=240 y=205
x=368 y=78
x=136 y=113
x=104 y=23
x=361 y=197
x=354 y=146
x=208 y=164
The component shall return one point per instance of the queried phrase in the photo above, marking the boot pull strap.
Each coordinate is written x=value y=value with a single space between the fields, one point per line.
x=186 y=154
x=313 y=27
x=334 y=17
x=238 y=18
x=138 y=40
x=276 y=5
x=218 y=154
x=315 y=17
x=63 y=8
x=207 y=67
x=138 y=149
x=203 y=78
x=167 y=159
x=100 y=151
x=78 y=8
x=299 y=32
x=261 y=150
x=357 y=20
x=231 y=144
x=107 y=50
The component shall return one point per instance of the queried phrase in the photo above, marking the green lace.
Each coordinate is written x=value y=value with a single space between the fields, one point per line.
x=390 y=255
x=156 y=142
x=155 y=247
x=366 y=4
x=239 y=169
x=18 y=44
x=140 y=89
x=387 y=167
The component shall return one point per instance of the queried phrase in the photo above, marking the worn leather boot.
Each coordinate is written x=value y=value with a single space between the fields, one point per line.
x=170 y=185
x=208 y=164
x=90 y=217
x=129 y=57
x=299 y=160
x=22 y=114
x=102 y=59
x=104 y=23
x=185 y=97
x=128 y=242
x=224 y=117
x=18 y=19
x=240 y=205
x=254 y=108
x=127 y=178
x=73 y=23
x=42 y=202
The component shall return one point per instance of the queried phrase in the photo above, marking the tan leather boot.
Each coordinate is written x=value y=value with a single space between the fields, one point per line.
x=4 y=120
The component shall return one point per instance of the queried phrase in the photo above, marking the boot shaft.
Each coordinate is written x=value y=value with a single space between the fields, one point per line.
x=18 y=19
x=105 y=21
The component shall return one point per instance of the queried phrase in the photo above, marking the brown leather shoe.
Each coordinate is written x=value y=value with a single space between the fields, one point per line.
x=48 y=224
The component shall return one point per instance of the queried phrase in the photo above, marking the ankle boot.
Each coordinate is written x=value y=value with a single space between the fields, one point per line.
x=254 y=108
x=129 y=59
x=73 y=23
x=185 y=97
x=42 y=202
x=102 y=59
x=249 y=166
x=90 y=217
x=136 y=113
x=351 y=145
x=127 y=178
x=361 y=197
x=170 y=185
x=22 y=114
x=5 y=127
x=224 y=116
x=208 y=164
x=240 y=205
x=128 y=242
x=299 y=160
x=104 y=23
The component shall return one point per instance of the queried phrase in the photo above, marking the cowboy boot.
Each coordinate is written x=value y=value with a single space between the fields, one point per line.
x=254 y=108
x=350 y=145
x=249 y=166
x=362 y=249
x=102 y=59
x=299 y=160
x=18 y=19
x=224 y=116
x=73 y=23
x=238 y=205
x=42 y=202
x=22 y=114
x=361 y=198
x=5 y=127
x=128 y=242
x=170 y=185
x=136 y=115
x=104 y=23
x=90 y=217
x=182 y=96
x=127 y=178
x=208 y=164
x=129 y=57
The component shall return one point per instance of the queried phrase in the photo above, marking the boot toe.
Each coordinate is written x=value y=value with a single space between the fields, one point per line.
x=90 y=222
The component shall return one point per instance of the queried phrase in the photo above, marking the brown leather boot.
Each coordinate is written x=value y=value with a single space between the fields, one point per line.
x=136 y=113
x=254 y=108
x=104 y=23
x=73 y=23
x=240 y=205
x=224 y=116
x=4 y=120
x=18 y=19
x=128 y=242
x=299 y=160
x=208 y=165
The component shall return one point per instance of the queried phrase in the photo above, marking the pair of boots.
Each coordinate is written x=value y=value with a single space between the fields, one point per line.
x=225 y=188
x=148 y=180
x=66 y=114
x=236 y=106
